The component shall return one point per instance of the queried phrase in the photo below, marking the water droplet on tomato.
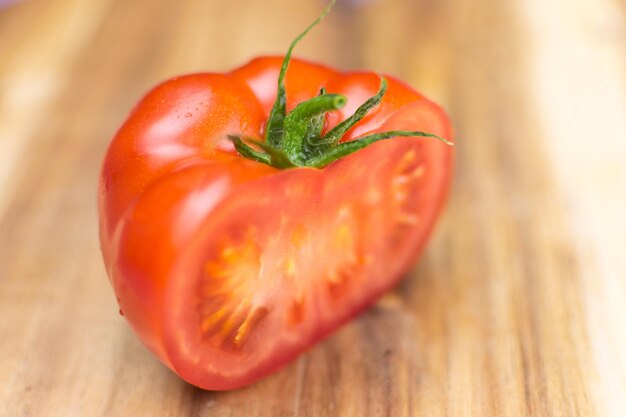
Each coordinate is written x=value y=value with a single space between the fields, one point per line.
x=188 y=114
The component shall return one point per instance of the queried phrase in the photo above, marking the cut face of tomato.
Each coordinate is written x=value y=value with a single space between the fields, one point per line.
x=287 y=259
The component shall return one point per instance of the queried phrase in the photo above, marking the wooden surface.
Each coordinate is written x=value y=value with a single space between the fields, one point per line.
x=518 y=307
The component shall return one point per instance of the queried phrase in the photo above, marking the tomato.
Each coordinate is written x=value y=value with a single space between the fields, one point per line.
x=227 y=267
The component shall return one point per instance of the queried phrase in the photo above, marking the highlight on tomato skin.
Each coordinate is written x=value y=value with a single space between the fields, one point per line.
x=245 y=216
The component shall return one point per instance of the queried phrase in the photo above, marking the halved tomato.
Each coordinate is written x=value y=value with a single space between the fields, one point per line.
x=228 y=268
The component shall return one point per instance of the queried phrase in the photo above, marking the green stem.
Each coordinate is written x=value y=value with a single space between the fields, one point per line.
x=275 y=128
x=248 y=152
x=335 y=134
x=344 y=149
x=300 y=121
x=293 y=140
x=277 y=157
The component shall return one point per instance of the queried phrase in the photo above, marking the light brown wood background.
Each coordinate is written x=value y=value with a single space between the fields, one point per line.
x=518 y=307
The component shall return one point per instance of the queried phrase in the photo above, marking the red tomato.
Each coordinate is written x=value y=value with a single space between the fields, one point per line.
x=228 y=268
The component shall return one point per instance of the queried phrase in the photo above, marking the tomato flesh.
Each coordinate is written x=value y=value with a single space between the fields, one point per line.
x=290 y=266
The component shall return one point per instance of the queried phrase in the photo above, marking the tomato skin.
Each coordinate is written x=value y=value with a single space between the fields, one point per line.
x=303 y=80
x=170 y=178
x=181 y=119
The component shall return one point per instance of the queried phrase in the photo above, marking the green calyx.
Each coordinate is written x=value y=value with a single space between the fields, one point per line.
x=295 y=139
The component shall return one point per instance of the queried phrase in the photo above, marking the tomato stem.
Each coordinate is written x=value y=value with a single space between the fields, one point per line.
x=274 y=131
x=298 y=123
x=271 y=156
x=346 y=148
x=335 y=134
x=294 y=139
x=246 y=151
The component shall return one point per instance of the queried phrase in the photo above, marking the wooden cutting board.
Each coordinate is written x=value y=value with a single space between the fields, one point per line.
x=518 y=306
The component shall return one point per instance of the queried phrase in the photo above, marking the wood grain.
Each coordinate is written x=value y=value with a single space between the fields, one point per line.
x=518 y=307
